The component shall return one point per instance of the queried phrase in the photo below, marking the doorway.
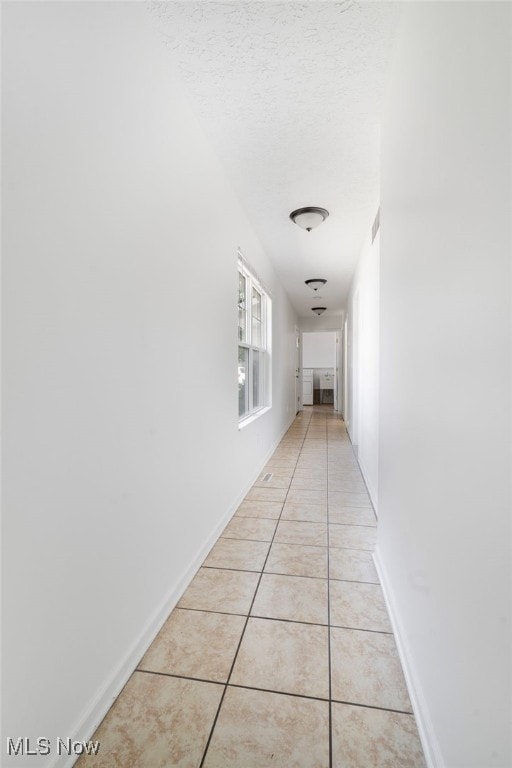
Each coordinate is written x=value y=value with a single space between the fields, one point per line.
x=320 y=368
x=298 y=389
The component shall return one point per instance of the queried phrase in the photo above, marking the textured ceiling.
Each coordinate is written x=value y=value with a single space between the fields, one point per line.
x=290 y=94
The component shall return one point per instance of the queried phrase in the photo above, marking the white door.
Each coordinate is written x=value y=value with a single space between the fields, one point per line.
x=337 y=378
x=307 y=386
x=298 y=401
x=345 y=372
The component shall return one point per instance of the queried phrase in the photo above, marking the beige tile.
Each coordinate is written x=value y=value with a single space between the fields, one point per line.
x=358 y=606
x=273 y=482
x=297 y=560
x=303 y=469
x=257 y=528
x=238 y=553
x=195 y=644
x=284 y=656
x=338 y=473
x=353 y=516
x=365 y=669
x=342 y=467
x=270 y=509
x=373 y=738
x=156 y=721
x=278 y=479
x=289 y=441
x=301 y=496
x=257 y=729
x=310 y=484
x=354 y=485
x=352 y=565
x=266 y=494
x=312 y=513
x=352 y=536
x=340 y=499
x=279 y=463
x=295 y=598
x=308 y=465
x=286 y=453
x=217 y=590
x=292 y=532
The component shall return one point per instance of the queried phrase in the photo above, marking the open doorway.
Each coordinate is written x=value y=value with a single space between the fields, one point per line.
x=319 y=369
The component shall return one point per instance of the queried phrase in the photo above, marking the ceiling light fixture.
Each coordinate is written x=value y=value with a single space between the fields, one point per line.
x=318 y=310
x=309 y=218
x=316 y=283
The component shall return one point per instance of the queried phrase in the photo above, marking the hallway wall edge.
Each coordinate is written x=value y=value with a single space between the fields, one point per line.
x=96 y=710
x=426 y=732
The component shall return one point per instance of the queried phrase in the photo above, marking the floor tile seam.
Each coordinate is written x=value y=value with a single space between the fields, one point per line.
x=225 y=685
x=355 y=525
x=356 y=549
x=236 y=538
x=291 y=621
x=180 y=677
x=240 y=570
x=302 y=543
x=241 y=637
x=296 y=575
x=355 y=581
x=280 y=693
x=373 y=706
x=363 y=629
x=288 y=621
x=275 y=573
x=209 y=610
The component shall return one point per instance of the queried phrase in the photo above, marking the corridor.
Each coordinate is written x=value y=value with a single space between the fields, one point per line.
x=280 y=652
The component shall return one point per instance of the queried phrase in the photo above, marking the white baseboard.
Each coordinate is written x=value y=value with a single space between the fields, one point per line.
x=369 y=486
x=426 y=732
x=96 y=709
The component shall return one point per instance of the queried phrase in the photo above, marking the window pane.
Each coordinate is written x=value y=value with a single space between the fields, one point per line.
x=243 y=383
x=242 y=327
x=242 y=308
x=257 y=324
x=256 y=304
x=257 y=370
x=241 y=290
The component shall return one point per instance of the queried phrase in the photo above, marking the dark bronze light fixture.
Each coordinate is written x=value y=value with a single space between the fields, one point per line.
x=318 y=310
x=316 y=283
x=310 y=217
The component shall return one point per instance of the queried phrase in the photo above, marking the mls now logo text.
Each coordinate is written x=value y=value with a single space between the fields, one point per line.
x=44 y=746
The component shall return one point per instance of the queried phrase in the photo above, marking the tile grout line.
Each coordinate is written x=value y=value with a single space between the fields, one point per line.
x=270 y=690
x=289 y=621
x=212 y=730
x=329 y=609
x=290 y=575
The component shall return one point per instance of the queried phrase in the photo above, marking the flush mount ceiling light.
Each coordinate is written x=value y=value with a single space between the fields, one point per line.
x=318 y=310
x=316 y=284
x=309 y=218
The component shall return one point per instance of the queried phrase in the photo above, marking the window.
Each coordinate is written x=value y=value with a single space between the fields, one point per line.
x=254 y=308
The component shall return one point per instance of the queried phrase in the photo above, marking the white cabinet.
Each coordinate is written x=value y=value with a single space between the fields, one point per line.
x=307 y=386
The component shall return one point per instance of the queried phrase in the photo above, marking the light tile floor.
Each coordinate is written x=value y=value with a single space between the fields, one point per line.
x=280 y=653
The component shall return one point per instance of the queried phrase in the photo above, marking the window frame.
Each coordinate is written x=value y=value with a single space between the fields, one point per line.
x=262 y=349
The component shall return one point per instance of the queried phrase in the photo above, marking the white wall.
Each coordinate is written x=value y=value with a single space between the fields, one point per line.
x=319 y=350
x=444 y=485
x=122 y=454
x=363 y=363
